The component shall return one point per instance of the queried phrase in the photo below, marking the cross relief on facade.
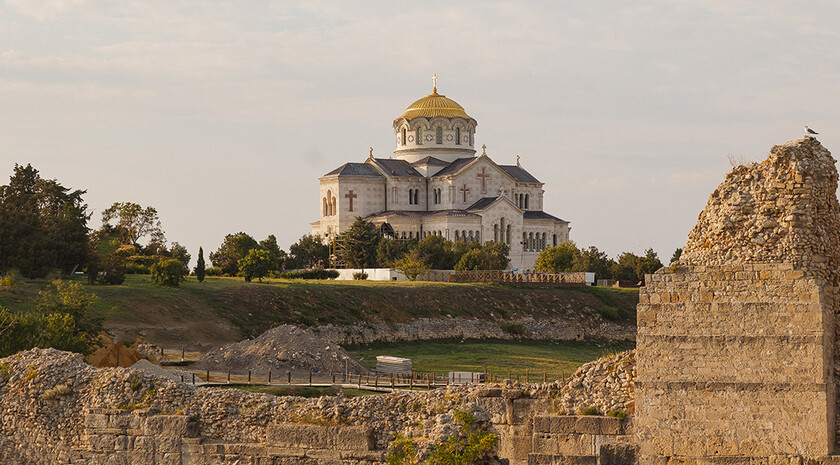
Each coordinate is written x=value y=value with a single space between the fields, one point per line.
x=465 y=190
x=350 y=195
x=483 y=176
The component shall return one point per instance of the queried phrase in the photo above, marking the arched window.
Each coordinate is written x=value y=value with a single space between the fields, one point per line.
x=496 y=233
x=524 y=240
x=439 y=135
x=403 y=136
x=507 y=235
x=333 y=206
x=456 y=235
x=416 y=196
x=410 y=197
x=419 y=135
x=526 y=201
x=478 y=236
x=555 y=240
x=325 y=206
x=457 y=136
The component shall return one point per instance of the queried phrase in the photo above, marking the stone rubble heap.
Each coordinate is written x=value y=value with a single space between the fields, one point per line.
x=607 y=384
x=281 y=349
x=783 y=209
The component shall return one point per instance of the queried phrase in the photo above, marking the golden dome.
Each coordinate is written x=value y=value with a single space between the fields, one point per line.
x=433 y=105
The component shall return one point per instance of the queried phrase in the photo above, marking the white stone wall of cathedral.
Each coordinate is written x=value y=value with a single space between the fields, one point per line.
x=528 y=196
x=401 y=190
x=406 y=132
x=367 y=197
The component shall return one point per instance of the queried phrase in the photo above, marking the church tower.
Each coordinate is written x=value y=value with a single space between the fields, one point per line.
x=434 y=126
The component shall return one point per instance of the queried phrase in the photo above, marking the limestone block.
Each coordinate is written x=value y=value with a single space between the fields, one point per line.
x=544 y=444
x=166 y=425
x=610 y=426
x=542 y=424
x=102 y=442
x=588 y=424
x=551 y=459
x=690 y=447
x=563 y=424
x=320 y=437
x=618 y=454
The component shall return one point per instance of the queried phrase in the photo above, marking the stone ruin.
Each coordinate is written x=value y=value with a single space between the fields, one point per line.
x=736 y=341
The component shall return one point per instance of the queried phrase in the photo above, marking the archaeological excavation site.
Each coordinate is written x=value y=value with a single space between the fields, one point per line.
x=734 y=365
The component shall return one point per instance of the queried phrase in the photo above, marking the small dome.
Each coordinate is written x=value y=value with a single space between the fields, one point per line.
x=433 y=105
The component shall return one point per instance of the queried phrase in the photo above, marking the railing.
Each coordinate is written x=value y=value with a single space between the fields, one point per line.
x=533 y=278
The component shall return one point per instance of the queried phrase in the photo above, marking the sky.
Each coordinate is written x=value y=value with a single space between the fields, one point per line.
x=222 y=114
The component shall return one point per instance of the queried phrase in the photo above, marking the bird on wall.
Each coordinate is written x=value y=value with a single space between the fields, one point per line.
x=810 y=131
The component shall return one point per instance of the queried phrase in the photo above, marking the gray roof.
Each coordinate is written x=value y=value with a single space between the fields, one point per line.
x=455 y=166
x=419 y=214
x=359 y=170
x=397 y=167
x=431 y=161
x=518 y=173
x=482 y=203
x=532 y=215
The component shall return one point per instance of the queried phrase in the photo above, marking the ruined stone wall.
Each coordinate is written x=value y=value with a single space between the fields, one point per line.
x=736 y=341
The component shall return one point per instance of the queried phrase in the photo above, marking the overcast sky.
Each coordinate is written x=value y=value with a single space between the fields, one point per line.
x=222 y=115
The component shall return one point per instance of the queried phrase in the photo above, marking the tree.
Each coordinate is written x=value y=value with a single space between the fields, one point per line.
x=412 y=265
x=557 y=259
x=234 y=247
x=593 y=260
x=199 y=265
x=632 y=267
x=677 y=254
x=278 y=255
x=169 y=272
x=43 y=225
x=490 y=256
x=256 y=264
x=357 y=245
x=134 y=223
x=308 y=252
x=179 y=252
x=437 y=252
x=389 y=251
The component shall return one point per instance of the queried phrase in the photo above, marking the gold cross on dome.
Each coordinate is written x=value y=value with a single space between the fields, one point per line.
x=484 y=149
x=370 y=152
x=434 y=82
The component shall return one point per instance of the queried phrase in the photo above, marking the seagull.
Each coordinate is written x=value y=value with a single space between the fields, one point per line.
x=810 y=131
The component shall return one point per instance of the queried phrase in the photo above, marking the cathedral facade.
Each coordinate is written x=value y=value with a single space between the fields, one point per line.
x=436 y=185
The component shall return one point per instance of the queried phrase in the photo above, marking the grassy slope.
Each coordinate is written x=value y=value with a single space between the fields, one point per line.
x=222 y=310
x=500 y=357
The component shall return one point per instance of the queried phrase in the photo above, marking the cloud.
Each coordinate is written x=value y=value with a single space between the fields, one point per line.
x=42 y=10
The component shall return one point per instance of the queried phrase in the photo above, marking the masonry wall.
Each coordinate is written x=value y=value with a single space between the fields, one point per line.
x=735 y=360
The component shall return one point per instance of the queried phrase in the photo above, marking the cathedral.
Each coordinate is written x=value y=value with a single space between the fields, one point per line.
x=436 y=185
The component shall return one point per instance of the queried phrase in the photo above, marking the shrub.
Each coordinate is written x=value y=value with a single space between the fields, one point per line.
x=317 y=273
x=516 y=329
x=213 y=271
x=169 y=272
x=136 y=268
x=608 y=312
x=256 y=264
x=589 y=410
x=361 y=275
x=620 y=414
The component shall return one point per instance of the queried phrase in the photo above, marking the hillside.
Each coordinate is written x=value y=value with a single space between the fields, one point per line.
x=223 y=310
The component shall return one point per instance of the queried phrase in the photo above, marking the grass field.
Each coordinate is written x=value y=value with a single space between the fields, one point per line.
x=555 y=358
x=223 y=310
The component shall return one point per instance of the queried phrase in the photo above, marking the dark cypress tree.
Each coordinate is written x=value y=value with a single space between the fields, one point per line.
x=199 y=265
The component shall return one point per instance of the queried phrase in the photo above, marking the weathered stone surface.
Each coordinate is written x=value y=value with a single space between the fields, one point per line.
x=358 y=438
x=736 y=341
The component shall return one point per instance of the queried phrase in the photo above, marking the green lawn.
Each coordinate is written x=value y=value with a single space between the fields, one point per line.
x=555 y=358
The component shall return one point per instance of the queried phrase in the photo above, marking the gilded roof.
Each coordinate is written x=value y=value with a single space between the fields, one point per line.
x=433 y=105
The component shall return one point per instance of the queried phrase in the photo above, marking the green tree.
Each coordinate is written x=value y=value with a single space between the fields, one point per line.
x=169 y=272
x=134 y=223
x=179 y=252
x=256 y=264
x=437 y=252
x=70 y=298
x=490 y=256
x=199 y=265
x=593 y=260
x=389 y=251
x=356 y=247
x=234 y=247
x=632 y=267
x=677 y=254
x=557 y=259
x=308 y=252
x=43 y=225
x=412 y=265
x=278 y=255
